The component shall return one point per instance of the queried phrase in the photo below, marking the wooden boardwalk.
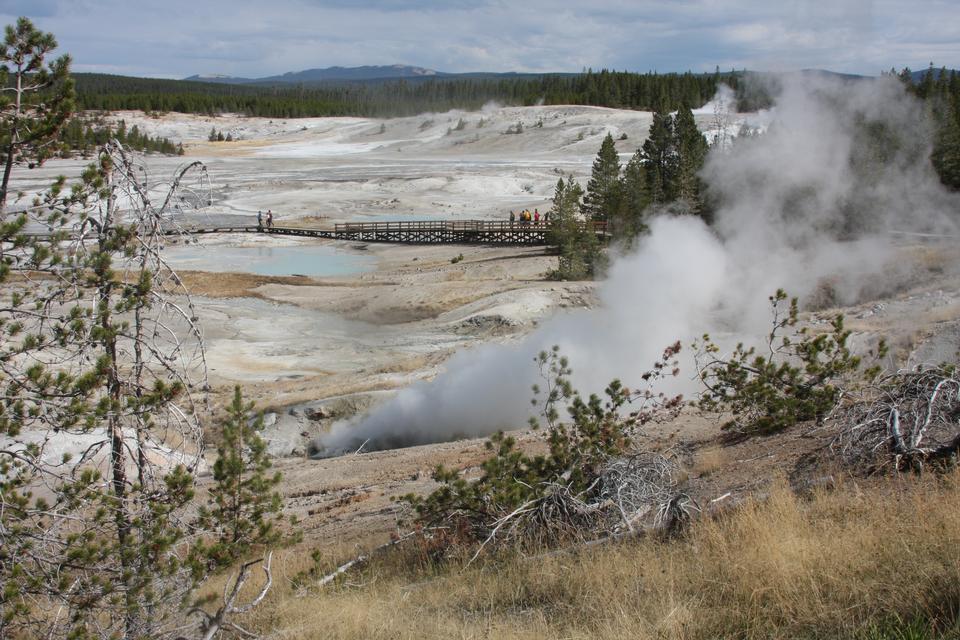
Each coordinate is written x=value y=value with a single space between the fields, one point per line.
x=419 y=231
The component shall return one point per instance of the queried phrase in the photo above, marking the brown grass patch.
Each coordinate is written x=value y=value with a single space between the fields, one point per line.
x=234 y=285
x=708 y=461
x=832 y=566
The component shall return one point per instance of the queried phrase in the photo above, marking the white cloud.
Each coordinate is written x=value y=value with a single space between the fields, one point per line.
x=242 y=37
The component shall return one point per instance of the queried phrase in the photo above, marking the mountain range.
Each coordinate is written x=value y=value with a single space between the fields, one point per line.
x=329 y=74
x=375 y=73
x=368 y=73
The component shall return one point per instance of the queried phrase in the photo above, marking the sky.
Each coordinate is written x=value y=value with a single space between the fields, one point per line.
x=178 y=38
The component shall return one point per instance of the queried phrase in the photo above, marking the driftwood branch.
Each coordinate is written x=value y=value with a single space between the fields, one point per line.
x=904 y=420
x=219 y=621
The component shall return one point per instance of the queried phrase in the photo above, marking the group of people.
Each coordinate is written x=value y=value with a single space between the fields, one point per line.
x=526 y=217
x=260 y=219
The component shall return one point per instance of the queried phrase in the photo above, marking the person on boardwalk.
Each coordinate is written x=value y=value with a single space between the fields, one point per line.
x=536 y=216
x=269 y=219
x=512 y=217
x=259 y=220
x=546 y=217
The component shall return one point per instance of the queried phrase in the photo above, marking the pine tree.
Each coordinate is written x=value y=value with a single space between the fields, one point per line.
x=946 y=151
x=926 y=86
x=243 y=506
x=576 y=243
x=603 y=189
x=692 y=150
x=660 y=156
x=37 y=101
x=634 y=200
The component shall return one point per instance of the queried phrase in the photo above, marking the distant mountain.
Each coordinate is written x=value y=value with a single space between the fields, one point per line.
x=329 y=74
x=824 y=73
x=353 y=73
x=377 y=73
x=219 y=78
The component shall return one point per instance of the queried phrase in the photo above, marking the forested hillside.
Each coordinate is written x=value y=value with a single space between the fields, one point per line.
x=400 y=97
x=941 y=90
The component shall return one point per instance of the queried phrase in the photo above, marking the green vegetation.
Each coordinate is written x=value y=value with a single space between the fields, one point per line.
x=398 y=97
x=103 y=542
x=243 y=506
x=794 y=381
x=217 y=136
x=84 y=135
x=941 y=91
x=577 y=451
x=603 y=189
x=578 y=248
x=37 y=101
x=664 y=172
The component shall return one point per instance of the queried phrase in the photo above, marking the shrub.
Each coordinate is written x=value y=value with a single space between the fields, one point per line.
x=578 y=450
x=797 y=379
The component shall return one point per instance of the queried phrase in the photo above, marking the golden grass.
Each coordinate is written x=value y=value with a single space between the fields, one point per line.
x=708 y=461
x=831 y=566
x=234 y=285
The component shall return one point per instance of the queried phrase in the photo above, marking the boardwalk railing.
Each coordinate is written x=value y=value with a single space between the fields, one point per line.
x=454 y=231
x=412 y=232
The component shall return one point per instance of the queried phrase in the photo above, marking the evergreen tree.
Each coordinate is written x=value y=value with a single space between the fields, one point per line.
x=601 y=201
x=660 y=156
x=576 y=242
x=692 y=150
x=634 y=200
x=243 y=506
x=946 y=152
x=926 y=87
x=106 y=543
x=37 y=100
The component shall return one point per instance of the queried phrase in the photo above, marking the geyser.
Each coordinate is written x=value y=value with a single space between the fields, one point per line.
x=809 y=199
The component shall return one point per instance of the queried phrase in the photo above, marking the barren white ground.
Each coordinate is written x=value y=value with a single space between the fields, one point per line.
x=311 y=349
x=298 y=340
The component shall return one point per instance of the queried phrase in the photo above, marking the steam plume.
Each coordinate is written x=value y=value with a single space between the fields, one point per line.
x=839 y=167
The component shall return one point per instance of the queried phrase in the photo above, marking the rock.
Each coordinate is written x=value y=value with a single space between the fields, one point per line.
x=317 y=413
x=293 y=412
x=269 y=419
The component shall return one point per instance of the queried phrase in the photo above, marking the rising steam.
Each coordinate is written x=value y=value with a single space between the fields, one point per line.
x=808 y=205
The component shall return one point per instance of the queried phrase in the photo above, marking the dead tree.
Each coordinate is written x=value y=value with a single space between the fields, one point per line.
x=101 y=370
x=639 y=486
x=905 y=420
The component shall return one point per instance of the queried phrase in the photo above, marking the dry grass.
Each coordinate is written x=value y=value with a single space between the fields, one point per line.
x=234 y=285
x=708 y=461
x=832 y=566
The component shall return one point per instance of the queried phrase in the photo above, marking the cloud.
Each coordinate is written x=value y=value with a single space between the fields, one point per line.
x=30 y=8
x=397 y=5
x=176 y=38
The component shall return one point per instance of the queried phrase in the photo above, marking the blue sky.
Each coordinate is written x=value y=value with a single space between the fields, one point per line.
x=177 y=38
